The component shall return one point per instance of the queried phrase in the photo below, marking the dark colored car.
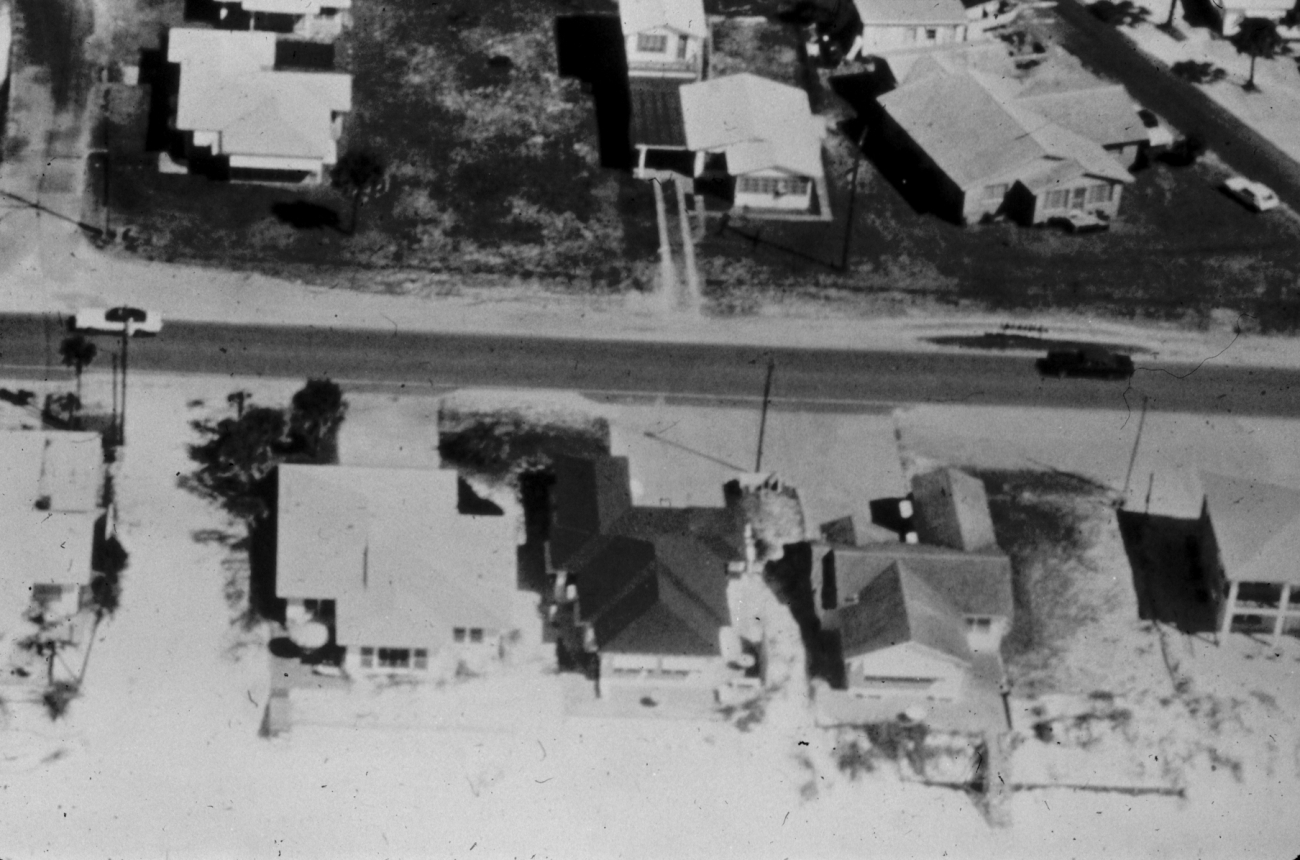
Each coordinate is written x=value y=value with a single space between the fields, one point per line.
x=1095 y=362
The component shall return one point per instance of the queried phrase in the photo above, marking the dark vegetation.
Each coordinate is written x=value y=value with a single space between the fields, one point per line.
x=1124 y=13
x=1038 y=520
x=1258 y=39
x=1197 y=72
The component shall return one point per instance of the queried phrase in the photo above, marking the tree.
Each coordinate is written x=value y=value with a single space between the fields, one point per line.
x=236 y=457
x=318 y=410
x=1125 y=13
x=1258 y=38
x=1198 y=72
x=357 y=172
x=78 y=352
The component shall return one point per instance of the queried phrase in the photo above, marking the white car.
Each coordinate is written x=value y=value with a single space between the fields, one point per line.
x=134 y=321
x=1159 y=136
x=1256 y=195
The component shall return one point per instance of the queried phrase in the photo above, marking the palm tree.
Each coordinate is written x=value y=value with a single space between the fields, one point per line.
x=318 y=410
x=356 y=173
x=1258 y=37
x=78 y=352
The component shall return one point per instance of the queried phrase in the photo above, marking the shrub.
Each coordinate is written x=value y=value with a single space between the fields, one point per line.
x=1196 y=72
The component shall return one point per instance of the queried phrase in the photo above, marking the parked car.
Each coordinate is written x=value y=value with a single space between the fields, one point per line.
x=1159 y=135
x=134 y=321
x=1078 y=221
x=1095 y=362
x=1255 y=195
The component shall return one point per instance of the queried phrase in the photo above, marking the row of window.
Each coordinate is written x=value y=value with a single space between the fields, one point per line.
x=1063 y=198
x=395 y=658
x=628 y=671
x=471 y=634
x=657 y=43
x=771 y=185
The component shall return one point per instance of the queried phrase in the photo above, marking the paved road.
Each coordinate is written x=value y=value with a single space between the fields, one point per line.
x=423 y=363
x=1104 y=48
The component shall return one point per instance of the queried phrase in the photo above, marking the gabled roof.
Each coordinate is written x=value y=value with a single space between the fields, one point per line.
x=681 y=16
x=588 y=495
x=1104 y=113
x=975 y=583
x=760 y=124
x=898 y=607
x=910 y=12
x=656 y=582
x=389 y=546
x=977 y=138
x=228 y=87
x=1257 y=528
x=952 y=509
x=657 y=112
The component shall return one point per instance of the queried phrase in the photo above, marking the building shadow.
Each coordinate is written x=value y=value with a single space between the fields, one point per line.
x=293 y=55
x=262 y=538
x=1168 y=572
x=590 y=48
x=1199 y=13
x=790 y=578
x=887 y=513
x=162 y=79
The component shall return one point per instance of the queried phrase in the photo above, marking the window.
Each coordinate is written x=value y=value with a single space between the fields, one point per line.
x=681 y=47
x=1057 y=199
x=476 y=634
x=421 y=658
x=1080 y=198
x=996 y=192
x=651 y=43
x=899 y=682
x=458 y=634
x=1099 y=193
x=979 y=625
x=931 y=34
x=367 y=657
x=394 y=658
x=771 y=186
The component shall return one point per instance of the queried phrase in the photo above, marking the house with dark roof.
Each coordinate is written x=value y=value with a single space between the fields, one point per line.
x=975 y=586
x=1249 y=539
x=382 y=563
x=665 y=38
x=985 y=153
x=647 y=594
x=951 y=508
x=900 y=634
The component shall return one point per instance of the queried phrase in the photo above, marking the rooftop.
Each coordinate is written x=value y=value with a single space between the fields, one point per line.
x=63 y=469
x=657 y=112
x=293 y=7
x=760 y=124
x=682 y=16
x=911 y=12
x=975 y=583
x=229 y=88
x=391 y=548
x=587 y=497
x=897 y=607
x=1257 y=528
x=952 y=509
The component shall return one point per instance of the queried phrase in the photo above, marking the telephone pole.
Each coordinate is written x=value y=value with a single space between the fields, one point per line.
x=762 y=424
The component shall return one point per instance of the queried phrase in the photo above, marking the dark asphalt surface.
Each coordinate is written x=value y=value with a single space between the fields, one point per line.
x=426 y=363
x=1104 y=49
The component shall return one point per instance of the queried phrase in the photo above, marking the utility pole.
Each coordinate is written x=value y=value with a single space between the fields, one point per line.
x=762 y=424
x=126 y=337
x=1136 y=442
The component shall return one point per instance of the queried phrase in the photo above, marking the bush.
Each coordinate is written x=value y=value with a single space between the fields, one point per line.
x=1122 y=14
x=1197 y=72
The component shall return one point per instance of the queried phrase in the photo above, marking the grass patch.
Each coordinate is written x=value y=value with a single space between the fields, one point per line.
x=1040 y=519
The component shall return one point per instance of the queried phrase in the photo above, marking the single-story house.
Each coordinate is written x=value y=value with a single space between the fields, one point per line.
x=1249 y=542
x=381 y=562
x=50 y=510
x=658 y=130
x=900 y=24
x=253 y=122
x=977 y=585
x=1232 y=12
x=986 y=154
x=899 y=635
x=760 y=137
x=951 y=508
x=320 y=20
x=649 y=593
x=667 y=38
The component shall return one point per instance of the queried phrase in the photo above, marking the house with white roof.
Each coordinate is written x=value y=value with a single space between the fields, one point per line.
x=903 y=24
x=762 y=137
x=1249 y=540
x=988 y=154
x=243 y=118
x=1232 y=12
x=665 y=38
x=313 y=19
x=382 y=563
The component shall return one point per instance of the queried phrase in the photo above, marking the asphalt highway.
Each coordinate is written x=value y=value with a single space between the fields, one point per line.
x=418 y=363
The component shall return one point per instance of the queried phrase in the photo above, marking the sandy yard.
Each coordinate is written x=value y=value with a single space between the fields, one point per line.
x=160 y=755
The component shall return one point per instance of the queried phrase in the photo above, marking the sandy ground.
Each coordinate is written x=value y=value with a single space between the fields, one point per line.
x=160 y=756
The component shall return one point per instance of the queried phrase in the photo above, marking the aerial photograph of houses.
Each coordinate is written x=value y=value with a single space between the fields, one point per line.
x=650 y=429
